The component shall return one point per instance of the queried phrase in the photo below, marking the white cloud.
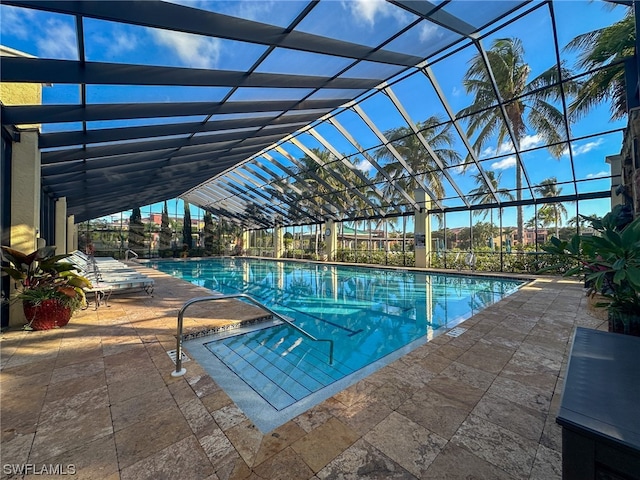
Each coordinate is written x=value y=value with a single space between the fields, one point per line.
x=456 y=91
x=504 y=163
x=257 y=11
x=505 y=147
x=16 y=21
x=113 y=43
x=194 y=50
x=598 y=175
x=528 y=141
x=587 y=147
x=428 y=32
x=59 y=41
x=122 y=43
x=364 y=166
x=584 y=148
x=468 y=169
x=366 y=11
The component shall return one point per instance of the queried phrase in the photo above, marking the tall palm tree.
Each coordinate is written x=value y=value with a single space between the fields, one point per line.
x=482 y=193
x=338 y=193
x=417 y=157
x=602 y=47
x=536 y=111
x=550 y=212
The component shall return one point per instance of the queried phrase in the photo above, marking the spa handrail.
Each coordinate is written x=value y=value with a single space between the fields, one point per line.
x=181 y=371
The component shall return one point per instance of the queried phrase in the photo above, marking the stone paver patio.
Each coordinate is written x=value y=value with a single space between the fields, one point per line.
x=98 y=395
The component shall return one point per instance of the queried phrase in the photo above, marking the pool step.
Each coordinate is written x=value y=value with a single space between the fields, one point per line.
x=278 y=364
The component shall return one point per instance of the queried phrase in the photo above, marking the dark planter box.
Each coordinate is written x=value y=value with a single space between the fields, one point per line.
x=600 y=409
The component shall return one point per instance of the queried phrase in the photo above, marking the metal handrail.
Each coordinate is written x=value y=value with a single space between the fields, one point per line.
x=126 y=254
x=181 y=371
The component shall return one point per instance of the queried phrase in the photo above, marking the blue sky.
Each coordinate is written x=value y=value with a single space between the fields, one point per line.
x=364 y=21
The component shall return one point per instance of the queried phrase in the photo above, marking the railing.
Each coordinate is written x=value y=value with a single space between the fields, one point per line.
x=126 y=254
x=181 y=371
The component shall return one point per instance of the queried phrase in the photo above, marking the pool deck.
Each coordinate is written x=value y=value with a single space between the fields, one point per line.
x=99 y=395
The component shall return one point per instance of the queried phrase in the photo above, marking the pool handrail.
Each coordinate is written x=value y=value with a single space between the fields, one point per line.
x=126 y=254
x=179 y=371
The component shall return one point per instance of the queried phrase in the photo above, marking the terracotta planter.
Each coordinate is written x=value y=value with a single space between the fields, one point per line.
x=47 y=314
x=623 y=322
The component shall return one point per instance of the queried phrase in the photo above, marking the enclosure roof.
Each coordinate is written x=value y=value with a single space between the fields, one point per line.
x=286 y=112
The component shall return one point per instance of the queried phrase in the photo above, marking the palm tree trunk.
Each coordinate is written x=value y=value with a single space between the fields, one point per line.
x=491 y=229
x=404 y=240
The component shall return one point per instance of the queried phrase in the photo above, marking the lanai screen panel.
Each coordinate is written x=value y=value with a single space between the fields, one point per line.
x=293 y=112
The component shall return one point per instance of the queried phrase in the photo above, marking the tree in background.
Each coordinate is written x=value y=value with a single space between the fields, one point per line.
x=439 y=135
x=531 y=104
x=482 y=194
x=606 y=47
x=136 y=230
x=187 y=238
x=165 y=229
x=209 y=231
x=287 y=239
x=550 y=213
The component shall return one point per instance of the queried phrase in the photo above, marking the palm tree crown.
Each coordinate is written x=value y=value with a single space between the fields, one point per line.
x=551 y=213
x=529 y=103
x=409 y=146
x=606 y=46
x=482 y=193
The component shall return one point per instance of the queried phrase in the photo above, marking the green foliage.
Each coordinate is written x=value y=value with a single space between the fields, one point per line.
x=136 y=230
x=208 y=232
x=604 y=47
x=42 y=275
x=376 y=257
x=609 y=262
x=165 y=229
x=187 y=234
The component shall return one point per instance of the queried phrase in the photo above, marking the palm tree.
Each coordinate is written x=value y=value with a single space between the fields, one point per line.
x=408 y=145
x=511 y=73
x=550 y=213
x=534 y=222
x=318 y=177
x=580 y=221
x=602 y=47
x=482 y=193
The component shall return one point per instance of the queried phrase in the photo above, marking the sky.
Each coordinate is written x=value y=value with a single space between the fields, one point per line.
x=362 y=21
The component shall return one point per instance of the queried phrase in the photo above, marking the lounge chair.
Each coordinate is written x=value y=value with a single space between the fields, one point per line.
x=110 y=276
x=87 y=262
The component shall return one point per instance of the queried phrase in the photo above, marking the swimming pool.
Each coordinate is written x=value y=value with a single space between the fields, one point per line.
x=372 y=315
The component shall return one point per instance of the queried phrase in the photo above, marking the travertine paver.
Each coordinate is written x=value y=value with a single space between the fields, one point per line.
x=99 y=395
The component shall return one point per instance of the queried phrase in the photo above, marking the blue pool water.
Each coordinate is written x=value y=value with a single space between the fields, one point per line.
x=369 y=313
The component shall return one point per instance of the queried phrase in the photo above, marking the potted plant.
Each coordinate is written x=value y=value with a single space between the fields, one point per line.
x=50 y=290
x=609 y=262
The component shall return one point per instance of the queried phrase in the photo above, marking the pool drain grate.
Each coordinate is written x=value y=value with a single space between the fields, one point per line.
x=456 y=332
x=172 y=356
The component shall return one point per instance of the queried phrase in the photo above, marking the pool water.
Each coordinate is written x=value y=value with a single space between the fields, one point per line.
x=369 y=313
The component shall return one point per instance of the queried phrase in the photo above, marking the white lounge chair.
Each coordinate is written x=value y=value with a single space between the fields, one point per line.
x=110 y=276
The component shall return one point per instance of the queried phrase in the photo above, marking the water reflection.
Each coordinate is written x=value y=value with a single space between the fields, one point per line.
x=330 y=300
